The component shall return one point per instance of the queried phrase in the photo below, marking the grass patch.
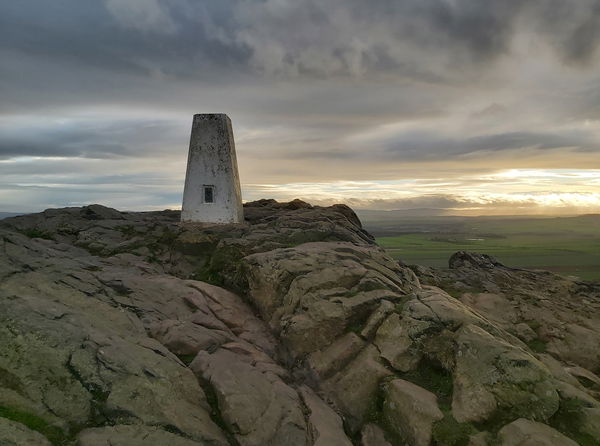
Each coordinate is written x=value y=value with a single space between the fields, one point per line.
x=127 y=230
x=567 y=246
x=36 y=233
x=168 y=238
x=54 y=434
x=537 y=345
x=187 y=359
x=449 y=432
x=435 y=379
x=10 y=380
x=375 y=411
x=568 y=420
x=209 y=275
x=224 y=268
x=534 y=325
x=355 y=328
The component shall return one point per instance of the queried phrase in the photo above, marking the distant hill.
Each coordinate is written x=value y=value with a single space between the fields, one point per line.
x=368 y=214
x=10 y=214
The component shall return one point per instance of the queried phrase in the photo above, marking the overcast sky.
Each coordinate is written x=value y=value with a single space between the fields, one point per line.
x=471 y=106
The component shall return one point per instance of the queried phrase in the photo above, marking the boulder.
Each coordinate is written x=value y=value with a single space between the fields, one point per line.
x=354 y=389
x=550 y=313
x=395 y=343
x=480 y=439
x=131 y=435
x=373 y=435
x=325 y=425
x=464 y=259
x=409 y=411
x=492 y=375
x=336 y=356
x=523 y=432
x=577 y=344
x=585 y=377
x=312 y=293
x=376 y=319
x=257 y=407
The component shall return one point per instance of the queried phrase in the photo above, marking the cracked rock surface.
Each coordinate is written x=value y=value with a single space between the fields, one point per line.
x=294 y=328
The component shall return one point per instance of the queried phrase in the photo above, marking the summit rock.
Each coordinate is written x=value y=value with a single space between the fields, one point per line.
x=292 y=328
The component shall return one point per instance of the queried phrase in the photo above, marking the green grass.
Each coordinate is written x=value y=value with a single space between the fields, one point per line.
x=36 y=233
x=55 y=435
x=567 y=246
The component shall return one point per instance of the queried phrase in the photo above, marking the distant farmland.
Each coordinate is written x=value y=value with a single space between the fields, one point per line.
x=564 y=245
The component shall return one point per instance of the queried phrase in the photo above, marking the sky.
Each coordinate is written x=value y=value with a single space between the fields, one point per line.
x=467 y=106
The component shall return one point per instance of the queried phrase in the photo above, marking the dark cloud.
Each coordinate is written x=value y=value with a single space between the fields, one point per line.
x=313 y=86
x=572 y=27
x=91 y=139
x=421 y=146
x=91 y=34
x=135 y=51
x=425 y=147
x=581 y=45
x=212 y=40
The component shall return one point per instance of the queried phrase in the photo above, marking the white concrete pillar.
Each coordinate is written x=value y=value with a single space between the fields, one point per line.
x=212 y=186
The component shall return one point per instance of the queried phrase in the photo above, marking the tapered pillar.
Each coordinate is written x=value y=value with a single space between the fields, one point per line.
x=212 y=191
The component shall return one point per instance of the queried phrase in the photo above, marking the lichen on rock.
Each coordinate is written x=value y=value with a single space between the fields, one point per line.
x=293 y=328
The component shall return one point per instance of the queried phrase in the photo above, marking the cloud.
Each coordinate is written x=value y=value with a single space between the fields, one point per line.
x=319 y=91
x=144 y=15
x=572 y=28
x=88 y=138
x=417 y=146
x=436 y=41
x=423 y=146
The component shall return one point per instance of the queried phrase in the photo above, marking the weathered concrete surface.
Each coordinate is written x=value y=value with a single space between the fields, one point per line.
x=212 y=162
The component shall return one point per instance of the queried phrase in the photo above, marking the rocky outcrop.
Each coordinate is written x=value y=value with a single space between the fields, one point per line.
x=523 y=432
x=410 y=411
x=554 y=323
x=293 y=328
x=551 y=313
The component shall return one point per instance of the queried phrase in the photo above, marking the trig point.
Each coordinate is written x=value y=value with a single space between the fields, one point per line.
x=212 y=185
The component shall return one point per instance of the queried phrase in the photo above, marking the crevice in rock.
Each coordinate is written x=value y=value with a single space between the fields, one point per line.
x=99 y=395
x=306 y=413
x=215 y=412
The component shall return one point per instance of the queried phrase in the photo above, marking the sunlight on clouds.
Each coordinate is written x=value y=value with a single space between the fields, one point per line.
x=554 y=173
x=511 y=191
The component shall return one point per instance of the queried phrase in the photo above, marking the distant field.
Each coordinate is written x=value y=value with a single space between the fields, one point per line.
x=566 y=245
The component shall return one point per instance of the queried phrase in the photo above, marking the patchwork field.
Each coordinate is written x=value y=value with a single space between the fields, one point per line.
x=565 y=245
